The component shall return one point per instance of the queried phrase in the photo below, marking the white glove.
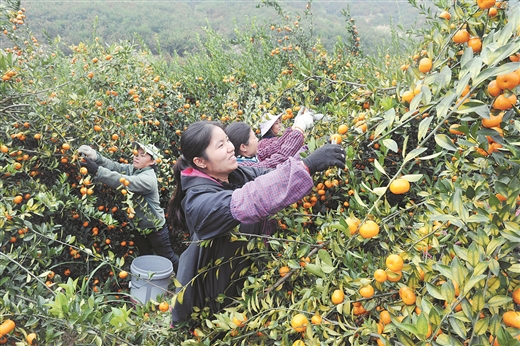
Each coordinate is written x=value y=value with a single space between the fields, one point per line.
x=304 y=120
x=88 y=152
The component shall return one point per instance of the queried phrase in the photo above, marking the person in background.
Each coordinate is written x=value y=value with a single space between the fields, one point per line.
x=151 y=233
x=215 y=197
x=288 y=145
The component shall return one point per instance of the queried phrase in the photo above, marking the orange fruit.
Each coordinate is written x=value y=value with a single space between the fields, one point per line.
x=445 y=15
x=6 y=327
x=493 y=88
x=493 y=121
x=516 y=295
x=485 y=4
x=425 y=65
x=4 y=149
x=284 y=270
x=399 y=186
x=511 y=319
x=361 y=125
x=337 y=297
x=316 y=319
x=384 y=317
x=353 y=224
x=65 y=146
x=123 y=274
x=367 y=291
x=394 y=276
x=342 y=129
x=240 y=321
x=507 y=81
x=97 y=128
x=394 y=262
x=299 y=322
x=380 y=275
x=83 y=170
x=336 y=138
x=475 y=44
x=115 y=137
x=369 y=229
x=504 y=103
x=503 y=198
x=164 y=306
x=30 y=338
x=453 y=129
x=407 y=296
x=462 y=36
x=407 y=96
x=18 y=199
x=492 y=12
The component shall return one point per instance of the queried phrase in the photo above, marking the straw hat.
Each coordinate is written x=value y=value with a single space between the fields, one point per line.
x=267 y=122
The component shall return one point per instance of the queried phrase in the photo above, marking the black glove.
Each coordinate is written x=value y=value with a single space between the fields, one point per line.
x=325 y=157
x=91 y=165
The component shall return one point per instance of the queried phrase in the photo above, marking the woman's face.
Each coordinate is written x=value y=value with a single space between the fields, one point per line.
x=221 y=156
x=277 y=126
x=250 y=149
x=142 y=159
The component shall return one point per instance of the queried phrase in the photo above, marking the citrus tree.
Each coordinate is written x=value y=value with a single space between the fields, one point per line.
x=413 y=243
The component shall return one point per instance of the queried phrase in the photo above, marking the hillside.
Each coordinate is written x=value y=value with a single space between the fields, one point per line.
x=176 y=24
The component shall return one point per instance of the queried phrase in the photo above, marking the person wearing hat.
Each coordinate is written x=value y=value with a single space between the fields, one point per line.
x=285 y=145
x=151 y=232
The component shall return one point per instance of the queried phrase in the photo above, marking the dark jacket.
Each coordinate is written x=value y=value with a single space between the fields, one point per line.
x=213 y=210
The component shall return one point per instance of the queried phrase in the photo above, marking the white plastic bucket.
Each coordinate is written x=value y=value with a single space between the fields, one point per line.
x=150 y=277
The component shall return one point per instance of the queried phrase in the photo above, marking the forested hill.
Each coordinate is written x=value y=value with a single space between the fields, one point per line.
x=174 y=24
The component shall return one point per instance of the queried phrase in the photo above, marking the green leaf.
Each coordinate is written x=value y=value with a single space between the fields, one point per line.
x=434 y=291
x=412 y=177
x=315 y=270
x=458 y=327
x=422 y=324
x=481 y=326
x=379 y=167
x=445 y=142
x=414 y=153
x=410 y=328
x=423 y=127
x=499 y=300
x=390 y=144
x=473 y=281
x=444 y=105
x=441 y=81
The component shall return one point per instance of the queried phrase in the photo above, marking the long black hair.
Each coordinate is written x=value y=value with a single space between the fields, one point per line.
x=194 y=142
x=238 y=133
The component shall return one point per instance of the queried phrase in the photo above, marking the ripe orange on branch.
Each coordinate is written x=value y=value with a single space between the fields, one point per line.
x=394 y=262
x=493 y=121
x=425 y=65
x=6 y=327
x=337 y=297
x=508 y=80
x=399 y=186
x=367 y=291
x=299 y=322
x=485 y=4
x=369 y=229
x=511 y=319
x=503 y=102
x=462 y=36
x=493 y=89
x=445 y=15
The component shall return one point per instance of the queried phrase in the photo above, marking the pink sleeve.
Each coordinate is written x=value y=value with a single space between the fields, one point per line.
x=271 y=192
x=287 y=145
